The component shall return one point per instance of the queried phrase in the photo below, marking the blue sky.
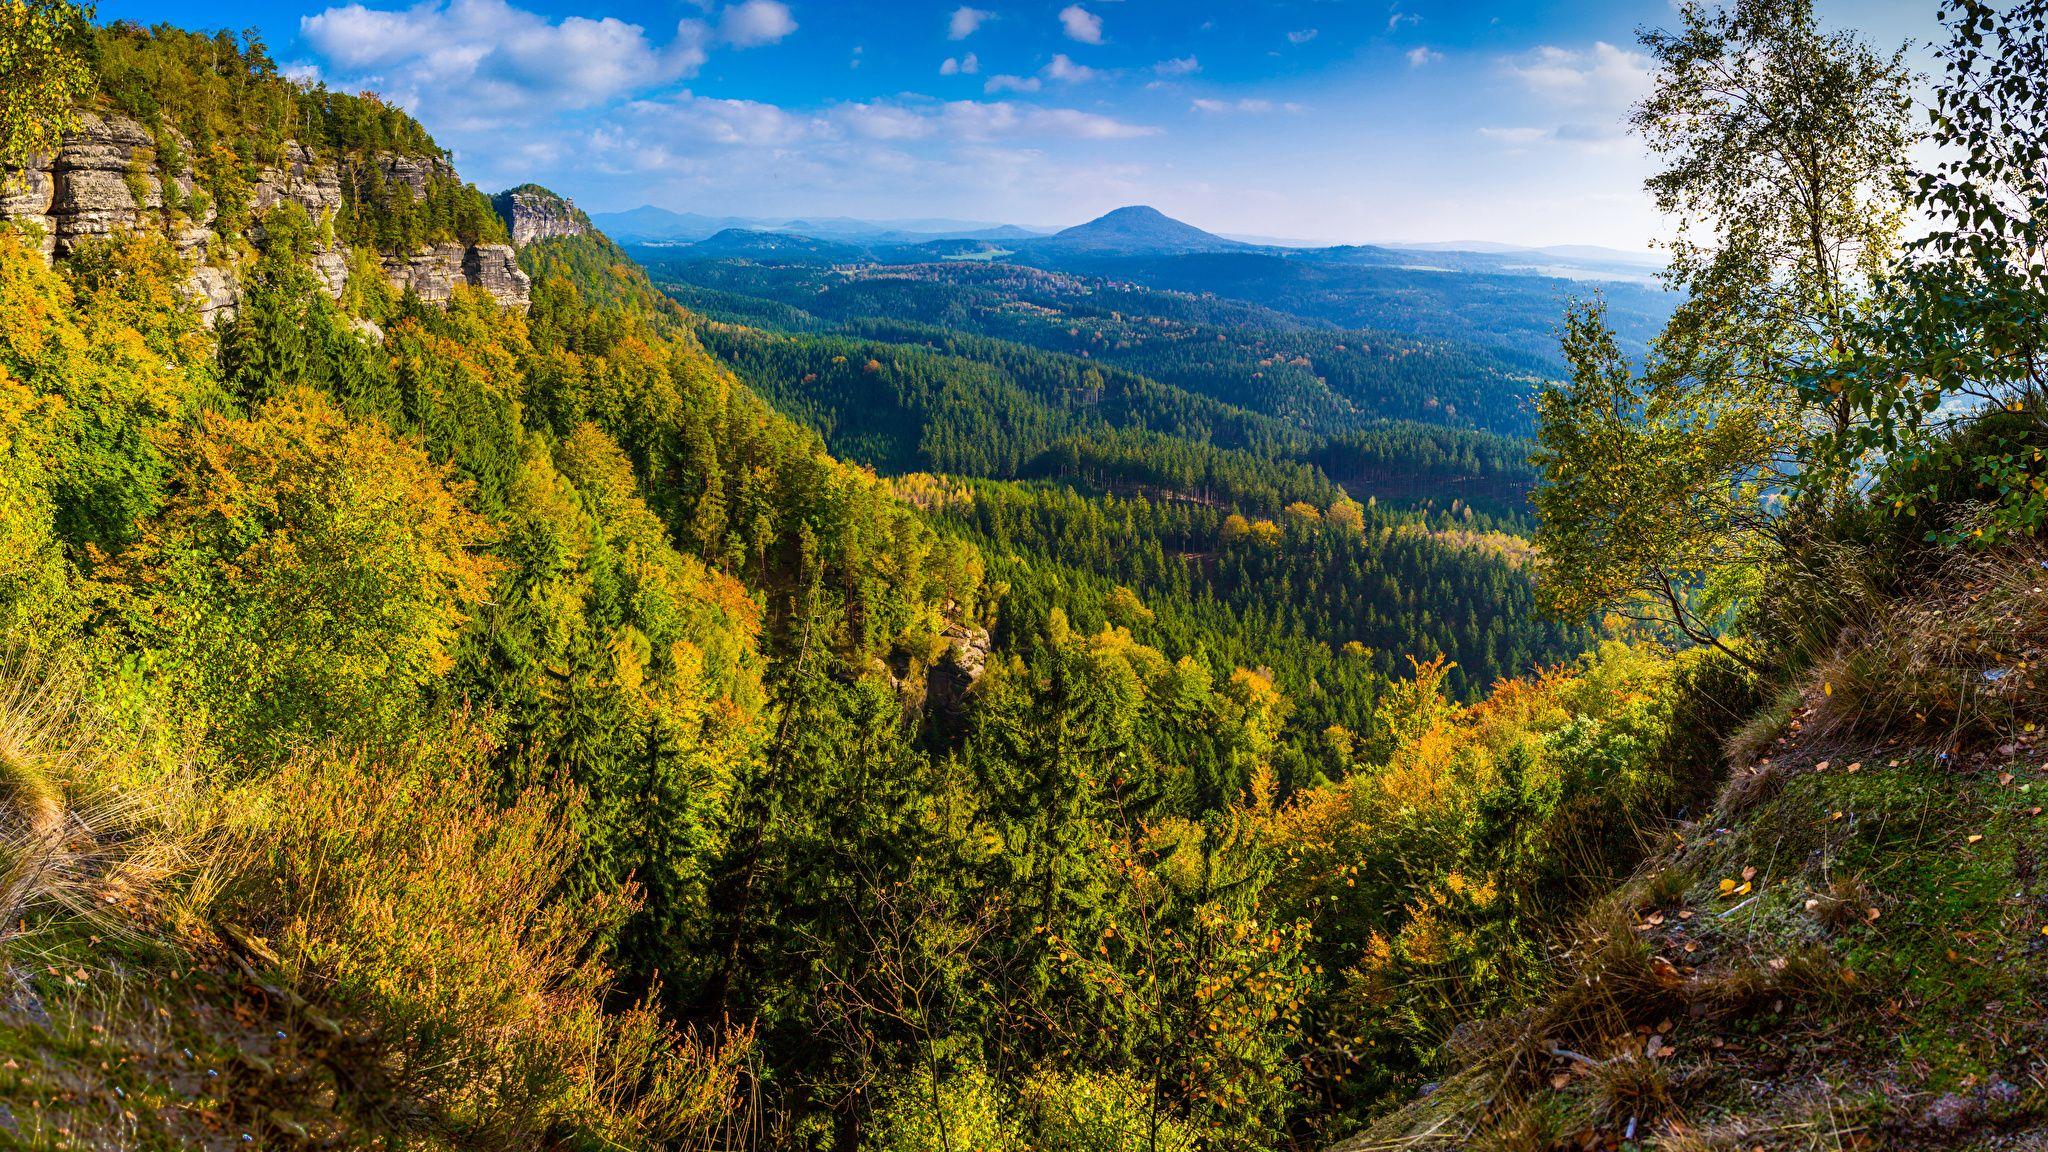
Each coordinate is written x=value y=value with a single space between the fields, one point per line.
x=1349 y=120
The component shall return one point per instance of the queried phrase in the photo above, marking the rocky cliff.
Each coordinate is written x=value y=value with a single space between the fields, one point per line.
x=105 y=178
x=533 y=213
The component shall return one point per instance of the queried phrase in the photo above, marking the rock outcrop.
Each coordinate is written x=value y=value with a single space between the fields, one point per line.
x=104 y=178
x=494 y=268
x=959 y=667
x=532 y=213
x=415 y=172
x=434 y=271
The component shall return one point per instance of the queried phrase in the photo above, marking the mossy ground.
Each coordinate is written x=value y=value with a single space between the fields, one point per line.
x=1849 y=952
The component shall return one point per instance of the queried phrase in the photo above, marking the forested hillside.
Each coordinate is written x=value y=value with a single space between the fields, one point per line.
x=1319 y=378
x=473 y=713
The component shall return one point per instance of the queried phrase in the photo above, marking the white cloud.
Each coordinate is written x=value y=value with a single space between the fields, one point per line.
x=1213 y=107
x=675 y=124
x=686 y=119
x=1303 y=36
x=1012 y=84
x=1423 y=56
x=1081 y=24
x=473 y=62
x=1068 y=72
x=752 y=23
x=1593 y=87
x=966 y=65
x=984 y=120
x=1181 y=66
x=1063 y=69
x=1396 y=18
x=1602 y=75
x=965 y=21
x=1582 y=137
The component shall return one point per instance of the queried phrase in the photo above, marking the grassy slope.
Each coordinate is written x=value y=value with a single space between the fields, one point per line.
x=1848 y=951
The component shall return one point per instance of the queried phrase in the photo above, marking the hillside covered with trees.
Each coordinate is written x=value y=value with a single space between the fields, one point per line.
x=694 y=719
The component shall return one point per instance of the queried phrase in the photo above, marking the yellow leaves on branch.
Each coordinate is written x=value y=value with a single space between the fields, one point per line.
x=305 y=566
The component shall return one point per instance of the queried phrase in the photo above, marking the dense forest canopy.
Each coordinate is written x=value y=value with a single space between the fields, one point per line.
x=990 y=708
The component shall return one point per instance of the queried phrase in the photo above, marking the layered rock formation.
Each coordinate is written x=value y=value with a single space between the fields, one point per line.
x=532 y=213
x=434 y=271
x=104 y=178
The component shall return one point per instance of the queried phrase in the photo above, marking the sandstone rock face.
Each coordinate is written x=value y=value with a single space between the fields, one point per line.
x=531 y=214
x=316 y=187
x=330 y=265
x=104 y=179
x=432 y=272
x=493 y=268
x=27 y=195
x=413 y=171
x=215 y=290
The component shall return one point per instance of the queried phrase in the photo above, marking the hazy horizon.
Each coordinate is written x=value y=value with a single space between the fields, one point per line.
x=1293 y=119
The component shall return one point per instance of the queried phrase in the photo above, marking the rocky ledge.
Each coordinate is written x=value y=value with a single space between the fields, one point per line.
x=434 y=271
x=533 y=213
x=103 y=179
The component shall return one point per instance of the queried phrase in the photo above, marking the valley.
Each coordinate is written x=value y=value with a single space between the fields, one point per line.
x=477 y=673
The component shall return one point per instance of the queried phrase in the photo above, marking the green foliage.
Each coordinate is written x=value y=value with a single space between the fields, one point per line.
x=308 y=574
x=1786 y=145
x=223 y=97
x=42 y=54
x=957 y=1113
x=1301 y=375
x=1955 y=333
x=1651 y=486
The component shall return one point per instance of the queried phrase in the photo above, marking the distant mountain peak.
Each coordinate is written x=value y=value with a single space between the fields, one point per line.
x=1140 y=228
x=1137 y=213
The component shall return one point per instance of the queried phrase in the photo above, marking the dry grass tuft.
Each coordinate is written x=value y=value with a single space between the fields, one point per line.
x=1844 y=903
x=1615 y=981
x=1524 y=1128
x=1754 y=740
x=1964 y=660
x=1631 y=1088
x=72 y=847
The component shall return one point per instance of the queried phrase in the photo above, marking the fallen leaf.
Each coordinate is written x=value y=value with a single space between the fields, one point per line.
x=1972 y=839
